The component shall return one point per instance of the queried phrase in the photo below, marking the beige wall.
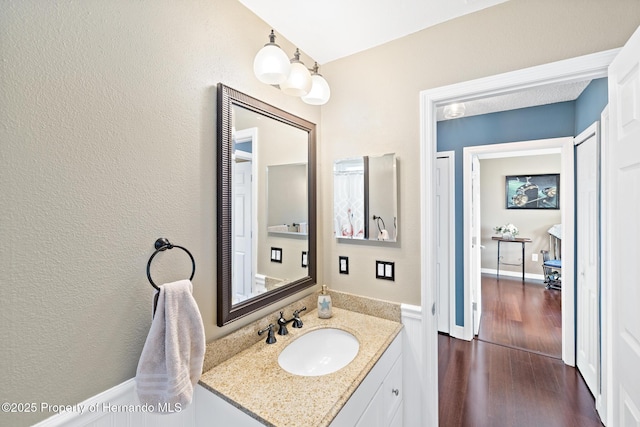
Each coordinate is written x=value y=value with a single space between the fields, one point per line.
x=374 y=107
x=532 y=223
x=107 y=142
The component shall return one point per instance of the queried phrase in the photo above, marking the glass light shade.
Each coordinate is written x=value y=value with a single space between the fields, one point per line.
x=320 y=91
x=299 y=81
x=271 y=65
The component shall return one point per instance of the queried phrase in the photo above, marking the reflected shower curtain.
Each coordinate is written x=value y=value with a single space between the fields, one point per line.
x=348 y=204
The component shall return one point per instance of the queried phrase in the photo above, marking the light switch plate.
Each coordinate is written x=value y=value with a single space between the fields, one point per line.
x=385 y=270
x=343 y=264
x=276 y=255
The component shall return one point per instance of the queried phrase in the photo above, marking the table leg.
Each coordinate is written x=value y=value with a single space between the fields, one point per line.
x=522 y=263
x=498 y=263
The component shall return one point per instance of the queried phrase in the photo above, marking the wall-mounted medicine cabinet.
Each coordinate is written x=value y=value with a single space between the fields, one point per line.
x=365 y=198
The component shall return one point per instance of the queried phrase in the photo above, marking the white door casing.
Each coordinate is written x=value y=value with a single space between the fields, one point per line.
x=475 y=278
x=624 y=232
x=242 y=222
x=588 y=256
x=242 y=136
x=445 y=244
x=570 y=70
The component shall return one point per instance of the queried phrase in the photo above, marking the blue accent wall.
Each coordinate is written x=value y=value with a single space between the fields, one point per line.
x=549 y=121
x=590 y=104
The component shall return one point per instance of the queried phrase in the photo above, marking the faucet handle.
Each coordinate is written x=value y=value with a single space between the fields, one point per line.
x=297 y=322
x=270 y=337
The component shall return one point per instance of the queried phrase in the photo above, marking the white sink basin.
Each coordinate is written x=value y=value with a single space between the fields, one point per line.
x=319 y=352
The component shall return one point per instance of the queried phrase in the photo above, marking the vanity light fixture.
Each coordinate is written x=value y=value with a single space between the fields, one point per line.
x=455 y=110
x=320 y=91
x=299 y=81
x=272 y=66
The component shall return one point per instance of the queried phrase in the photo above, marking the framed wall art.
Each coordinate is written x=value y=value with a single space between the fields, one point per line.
x=533 y=191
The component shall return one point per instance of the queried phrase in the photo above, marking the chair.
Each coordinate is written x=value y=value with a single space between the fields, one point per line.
x=550 y=267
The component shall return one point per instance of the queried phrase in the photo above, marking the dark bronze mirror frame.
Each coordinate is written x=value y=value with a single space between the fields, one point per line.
x=227 y=98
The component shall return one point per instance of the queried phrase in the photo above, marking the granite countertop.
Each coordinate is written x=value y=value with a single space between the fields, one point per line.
x=253 y=381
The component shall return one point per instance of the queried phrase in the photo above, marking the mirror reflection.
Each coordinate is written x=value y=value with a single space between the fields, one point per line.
x=365 y=198
x=266 y=219
x=262 y=185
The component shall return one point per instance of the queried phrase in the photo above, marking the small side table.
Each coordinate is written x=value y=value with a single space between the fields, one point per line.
x=522 y=241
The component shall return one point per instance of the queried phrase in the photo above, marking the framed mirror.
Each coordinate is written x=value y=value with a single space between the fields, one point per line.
x=266 y=247
x=365 y=198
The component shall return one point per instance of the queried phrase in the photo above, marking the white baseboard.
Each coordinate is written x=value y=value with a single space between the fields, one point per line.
x=517 y=274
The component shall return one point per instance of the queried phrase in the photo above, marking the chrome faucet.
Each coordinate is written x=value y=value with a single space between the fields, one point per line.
x=297 y=322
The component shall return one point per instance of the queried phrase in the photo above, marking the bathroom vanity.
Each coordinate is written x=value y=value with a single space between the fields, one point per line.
x=251 y=389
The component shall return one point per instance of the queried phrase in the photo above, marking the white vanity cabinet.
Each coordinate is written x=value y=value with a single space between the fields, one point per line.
x=377 y=402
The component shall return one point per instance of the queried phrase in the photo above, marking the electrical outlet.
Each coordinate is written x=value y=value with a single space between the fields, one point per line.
x=534 y=257
x=385 y=270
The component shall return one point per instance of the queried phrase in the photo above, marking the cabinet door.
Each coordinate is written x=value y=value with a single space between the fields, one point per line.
x=374 y=415
x=397 y=419
x=392 y=390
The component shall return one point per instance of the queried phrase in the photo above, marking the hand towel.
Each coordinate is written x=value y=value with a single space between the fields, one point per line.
x=173 y=354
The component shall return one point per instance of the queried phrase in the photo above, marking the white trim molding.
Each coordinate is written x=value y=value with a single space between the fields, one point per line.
x=570 y=70
x=412 y=372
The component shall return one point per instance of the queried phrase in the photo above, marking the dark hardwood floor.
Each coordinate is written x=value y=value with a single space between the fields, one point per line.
x=518 y=380
x=522 y=316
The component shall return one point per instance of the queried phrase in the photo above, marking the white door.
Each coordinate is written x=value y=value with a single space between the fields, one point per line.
x=588 y=256
x=475 y=276
x=242 y=245
x=443 y=242
x=624 y=227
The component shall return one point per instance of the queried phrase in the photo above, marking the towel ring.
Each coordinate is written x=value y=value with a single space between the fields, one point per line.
x=162 y=244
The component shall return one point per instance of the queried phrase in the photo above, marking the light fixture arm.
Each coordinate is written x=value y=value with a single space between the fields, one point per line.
x=296 y=56
x=272 y=38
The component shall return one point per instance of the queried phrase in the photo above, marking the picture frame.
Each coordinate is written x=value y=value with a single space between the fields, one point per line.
x=541 y=191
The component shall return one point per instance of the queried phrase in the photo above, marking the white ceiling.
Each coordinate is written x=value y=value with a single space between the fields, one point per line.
x=330 y=29
x=327 y=30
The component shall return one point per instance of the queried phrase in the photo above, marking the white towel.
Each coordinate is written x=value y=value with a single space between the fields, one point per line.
x=171 y=361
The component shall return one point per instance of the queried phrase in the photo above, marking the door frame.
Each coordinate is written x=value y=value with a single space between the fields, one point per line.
x=570 y=70
x=592 y=131
x=246 y=135
x=564 y=147
x=451 y=159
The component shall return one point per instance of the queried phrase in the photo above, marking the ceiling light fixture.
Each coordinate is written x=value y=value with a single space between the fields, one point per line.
x=272 y=66
x=453 y=111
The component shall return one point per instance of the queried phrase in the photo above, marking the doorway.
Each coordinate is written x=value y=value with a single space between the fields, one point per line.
x=517 y=312
x=576 y=69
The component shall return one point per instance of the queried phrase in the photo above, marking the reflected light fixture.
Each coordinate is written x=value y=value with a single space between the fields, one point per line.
x=272 y=66
x=455 y=110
